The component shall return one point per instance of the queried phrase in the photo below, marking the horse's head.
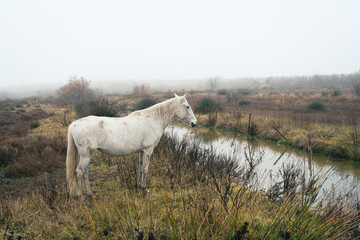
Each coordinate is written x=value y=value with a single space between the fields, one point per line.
x=184 y=112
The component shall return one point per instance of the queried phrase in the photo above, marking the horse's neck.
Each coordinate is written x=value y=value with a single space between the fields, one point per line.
x=166 y=111
x=163 y=113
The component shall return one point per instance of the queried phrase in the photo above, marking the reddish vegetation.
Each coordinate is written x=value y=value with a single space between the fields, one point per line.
x=141 y=91
x=76 y=90
x=16 y=124
x=21 y=155
x=29 y=156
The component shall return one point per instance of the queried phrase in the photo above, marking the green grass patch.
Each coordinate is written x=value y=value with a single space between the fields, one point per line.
x=145 y=103
x=34 y=124
x=207 y=105
x=99 y=107
x=315 y=106
x=244 y=102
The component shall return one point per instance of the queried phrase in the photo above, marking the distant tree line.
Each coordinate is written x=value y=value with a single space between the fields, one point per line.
x=317 y=81
x=355 y=82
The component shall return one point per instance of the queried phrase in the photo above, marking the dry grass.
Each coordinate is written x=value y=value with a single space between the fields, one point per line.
x=194 y=194
x=185 y=202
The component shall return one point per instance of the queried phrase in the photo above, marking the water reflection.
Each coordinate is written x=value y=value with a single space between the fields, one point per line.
x=207 y=135
x=273 y=156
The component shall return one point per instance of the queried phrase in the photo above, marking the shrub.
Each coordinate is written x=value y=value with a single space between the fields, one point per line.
x=336 y=93
x=7 y=155
x=141 y=91
x=99 y=107
x=245 y=92
x=14 y=124
x=75 y=91
x=325 y=94
x=27 y=166
x=30 y=156
x=212 y=119
x=207 y=105
x=355 y=82
x=145 y=103
x=315 y=106
x=244 y=102
x=21 y=110
x=222 y=92
x=232 y=97
x=34 y=125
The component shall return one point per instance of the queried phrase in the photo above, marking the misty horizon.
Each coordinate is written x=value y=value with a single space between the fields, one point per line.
x=45 y=42
x=121 y=87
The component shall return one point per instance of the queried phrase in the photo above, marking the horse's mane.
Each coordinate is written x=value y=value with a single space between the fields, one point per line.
x=164 y=110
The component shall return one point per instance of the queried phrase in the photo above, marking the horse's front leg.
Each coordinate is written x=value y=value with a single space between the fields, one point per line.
x=141 y=170
x=144 y=162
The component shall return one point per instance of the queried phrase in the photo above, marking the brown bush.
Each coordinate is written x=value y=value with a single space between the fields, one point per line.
x=26 y=156
x=17 y=124
x=7 y=154
x=141 y=91
x=26 y=166
x=76 y=90
x=30 y=156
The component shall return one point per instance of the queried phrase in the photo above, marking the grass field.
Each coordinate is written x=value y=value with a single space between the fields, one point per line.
x=194 y=194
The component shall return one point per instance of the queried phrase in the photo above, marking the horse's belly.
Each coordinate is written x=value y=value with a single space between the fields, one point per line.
x=119 y=147
x=115 y=152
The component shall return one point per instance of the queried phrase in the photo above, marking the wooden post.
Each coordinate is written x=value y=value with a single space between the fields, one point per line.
x=249 y=125
x=309 y=147
x=279 y=132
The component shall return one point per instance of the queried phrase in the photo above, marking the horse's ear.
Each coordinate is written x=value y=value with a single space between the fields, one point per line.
x=184 y=95
x=176 y=95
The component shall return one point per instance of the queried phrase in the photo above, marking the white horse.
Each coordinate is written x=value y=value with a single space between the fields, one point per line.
x=138 y=132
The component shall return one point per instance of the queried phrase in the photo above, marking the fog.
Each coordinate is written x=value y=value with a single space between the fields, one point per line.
x=167 y=44
x=334 y=81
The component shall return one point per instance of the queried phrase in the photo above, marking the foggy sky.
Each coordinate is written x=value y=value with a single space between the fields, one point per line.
x=48 y=41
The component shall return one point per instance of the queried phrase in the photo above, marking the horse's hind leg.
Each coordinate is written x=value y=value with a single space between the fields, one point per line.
x=87 y=183
x=79 y=176
x=82 y=172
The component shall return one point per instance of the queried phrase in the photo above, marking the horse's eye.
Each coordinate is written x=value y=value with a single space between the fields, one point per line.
x=187 y=107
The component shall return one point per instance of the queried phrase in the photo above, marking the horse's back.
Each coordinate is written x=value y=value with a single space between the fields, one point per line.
x=114 y=136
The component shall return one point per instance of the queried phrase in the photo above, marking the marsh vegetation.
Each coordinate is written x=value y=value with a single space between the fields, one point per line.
x=195 y=192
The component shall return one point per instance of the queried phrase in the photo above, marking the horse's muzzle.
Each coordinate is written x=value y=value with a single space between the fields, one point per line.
x=193 y=124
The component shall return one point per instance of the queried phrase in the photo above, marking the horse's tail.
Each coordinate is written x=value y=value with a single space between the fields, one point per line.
x=71 y=162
